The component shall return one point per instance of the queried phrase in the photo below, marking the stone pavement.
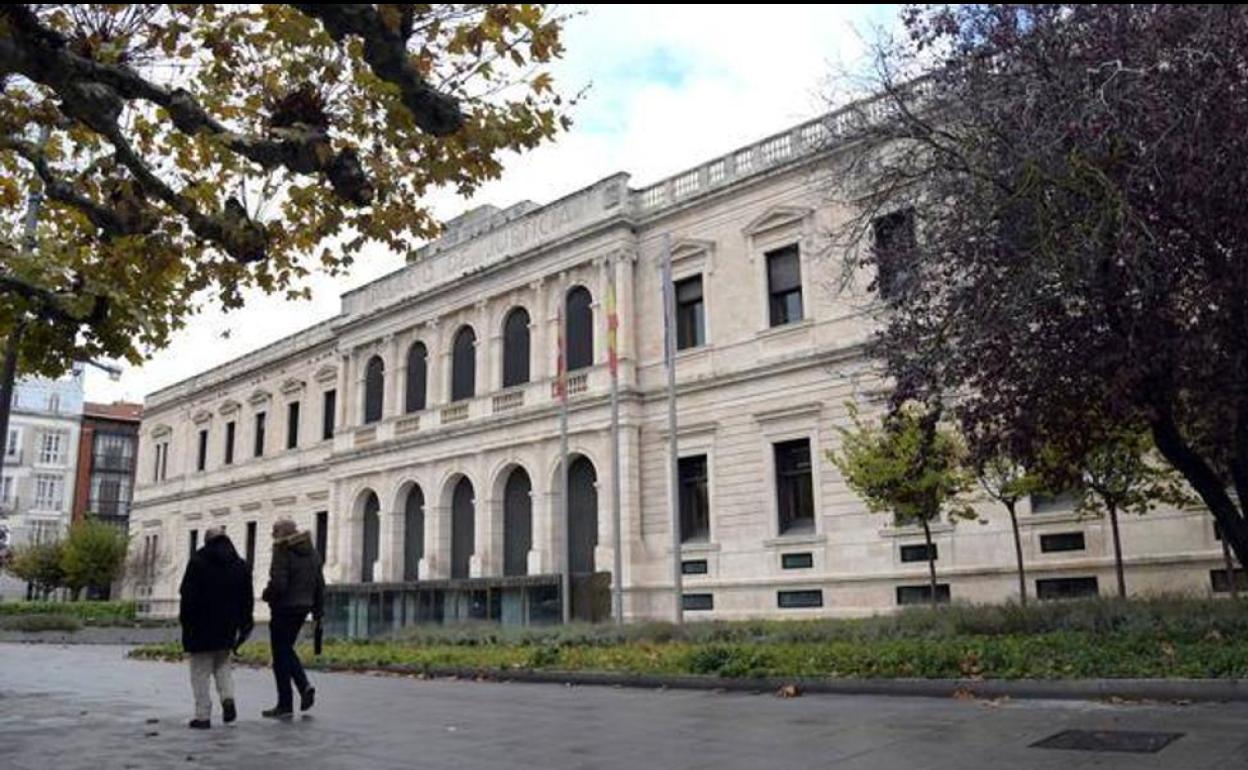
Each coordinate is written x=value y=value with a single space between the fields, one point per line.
x=87 y=707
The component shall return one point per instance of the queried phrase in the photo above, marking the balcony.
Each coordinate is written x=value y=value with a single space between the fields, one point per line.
x=122 y=522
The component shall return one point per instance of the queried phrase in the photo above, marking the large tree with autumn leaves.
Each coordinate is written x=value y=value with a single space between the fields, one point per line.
x=186 y=153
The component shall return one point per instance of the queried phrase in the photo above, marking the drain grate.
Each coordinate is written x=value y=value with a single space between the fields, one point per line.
x=1132 y=741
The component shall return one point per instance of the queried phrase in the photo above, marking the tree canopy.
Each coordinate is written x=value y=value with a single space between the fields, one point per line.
x=1079 y=253
x=187 y=152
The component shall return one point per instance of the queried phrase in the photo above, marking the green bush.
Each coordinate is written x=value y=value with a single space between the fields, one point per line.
x=89 y=613
x=35 y=623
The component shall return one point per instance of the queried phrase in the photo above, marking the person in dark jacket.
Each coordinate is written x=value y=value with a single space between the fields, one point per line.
x=296 y=587
x=216 y=617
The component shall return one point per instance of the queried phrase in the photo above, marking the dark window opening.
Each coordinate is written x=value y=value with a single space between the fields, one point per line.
x=695 y=514
x=259 y=444
x=894 y=242
x=579 y=329
x=693 y=567
x=292 y=425
x=464 y=365
x=784 y=285
x=918 y=552
x=251 y=544
x=697 y=602
x=201 y=456
x=329 y=405
x=1062 y=541
x=797 y=561
x=1066 y=588
x=417 y=378
x=374 y=389
x=907 y=595
x=794 y=487
x=229 y=443
x=690 y=313
x=516 y=348
x=787 y=600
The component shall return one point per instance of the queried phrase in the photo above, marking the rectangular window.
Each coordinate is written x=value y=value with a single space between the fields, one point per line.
x=251 y=543
x=1046 y=503
x=194 y=542
x=1220 y=585
x=328 y=407
x=52 y=448
x=918 y=552
x=695 y=514
x=1066 y=588
x=797 y=561
x=112 y=452
x=322 y=533
x=13 y=445
x=164 y=462
x=259 y=447
x=292 y=425
x=788 y=600
x=795 y=499
x=1062 y=541
x=697 y=602
x=161 y=467
x=229 y=443
x=201 y=457
x=893 y=236
x=6 y=489
x=784 y=285
x=907 y=595
x=693 y=567
x=690 y=313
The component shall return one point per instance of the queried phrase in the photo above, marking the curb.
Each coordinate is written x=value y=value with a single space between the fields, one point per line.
x=1171 y=690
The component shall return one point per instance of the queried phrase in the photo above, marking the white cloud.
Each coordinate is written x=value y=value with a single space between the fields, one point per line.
x=670 y=87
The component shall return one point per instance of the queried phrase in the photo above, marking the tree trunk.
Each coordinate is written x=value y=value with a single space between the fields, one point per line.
x=1122 y=580
x=931 y=561
x=1232 y=580
x=1212 y=491
x=1018 y=555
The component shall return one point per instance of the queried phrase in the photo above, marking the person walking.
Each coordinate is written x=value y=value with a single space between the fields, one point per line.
x=216 y=617
x=296 y=587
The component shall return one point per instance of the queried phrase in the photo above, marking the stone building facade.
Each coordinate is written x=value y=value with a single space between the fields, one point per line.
x=416 y=432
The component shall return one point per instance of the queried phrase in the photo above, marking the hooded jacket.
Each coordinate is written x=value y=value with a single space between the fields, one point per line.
x=217 y=598
x=295 y=580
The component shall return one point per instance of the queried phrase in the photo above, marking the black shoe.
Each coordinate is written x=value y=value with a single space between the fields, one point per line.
x=278 y=712
x=228 y=712
x=307 y=698
x=199 y=724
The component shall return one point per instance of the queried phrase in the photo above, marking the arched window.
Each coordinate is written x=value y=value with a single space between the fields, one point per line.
x=516 y=348
x=462 y=526
x=417 y=377
x=517 y=523
x=372 y=537
x=464 y=365
x=579 y=331
x=374 y=389
x=413 y=532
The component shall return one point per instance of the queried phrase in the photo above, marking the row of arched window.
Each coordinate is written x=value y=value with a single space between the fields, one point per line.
x=517 y=353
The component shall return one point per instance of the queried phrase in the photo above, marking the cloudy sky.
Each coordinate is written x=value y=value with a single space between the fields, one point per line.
x=668 y=88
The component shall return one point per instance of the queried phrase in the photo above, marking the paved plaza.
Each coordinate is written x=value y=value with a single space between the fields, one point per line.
x=71 y=707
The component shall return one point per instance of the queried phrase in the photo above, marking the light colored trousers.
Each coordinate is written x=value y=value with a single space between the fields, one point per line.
x=210 y=664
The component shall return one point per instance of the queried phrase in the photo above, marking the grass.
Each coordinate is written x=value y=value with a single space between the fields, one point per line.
x=1156 y=638
x=89 y=613
x=40 y=622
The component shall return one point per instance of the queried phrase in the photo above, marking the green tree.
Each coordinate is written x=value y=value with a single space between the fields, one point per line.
x=910 y=466
x=1007 y=481
x=92 y=555
x=188 y=152
x=38 y=564
x=1119 y=471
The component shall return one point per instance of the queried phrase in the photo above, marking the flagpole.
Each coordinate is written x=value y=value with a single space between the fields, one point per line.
x=613 y=360
x=561 y=383
x=673 y=488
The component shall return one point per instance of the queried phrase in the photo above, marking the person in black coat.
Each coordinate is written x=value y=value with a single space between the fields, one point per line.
x=216 y=617
x=296 y=587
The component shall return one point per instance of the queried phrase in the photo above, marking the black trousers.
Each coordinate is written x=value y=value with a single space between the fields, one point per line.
x=283 y=631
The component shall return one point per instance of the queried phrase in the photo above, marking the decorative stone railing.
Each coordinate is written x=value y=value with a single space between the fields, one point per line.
x=365 y=435
x=455 y=413
x=408 y=424
x=512 y=399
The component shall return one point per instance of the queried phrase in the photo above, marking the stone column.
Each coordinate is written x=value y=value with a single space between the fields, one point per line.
x=484 y=352
x=541 y=344
x=342 y=398
x=436 y=563
x=396 y=371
